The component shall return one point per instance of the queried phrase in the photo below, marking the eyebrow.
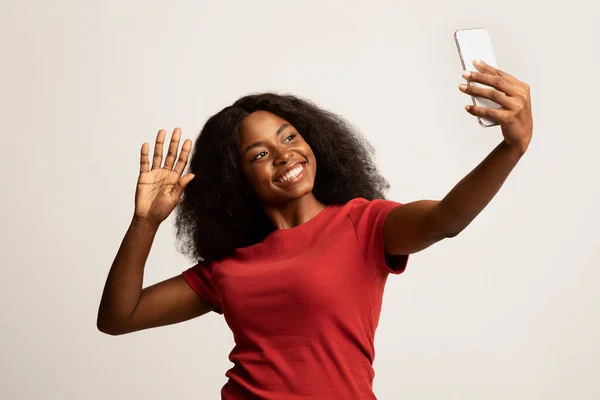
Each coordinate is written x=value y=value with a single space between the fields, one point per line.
x=260 y=143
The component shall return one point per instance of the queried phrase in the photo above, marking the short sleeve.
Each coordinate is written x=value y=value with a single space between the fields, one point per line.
x=368 y=217
x=200 y=279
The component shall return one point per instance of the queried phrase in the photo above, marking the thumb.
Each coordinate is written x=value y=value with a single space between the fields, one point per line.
x=182 y=183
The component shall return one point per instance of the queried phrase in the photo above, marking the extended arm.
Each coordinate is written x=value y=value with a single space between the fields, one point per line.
x=415 y=226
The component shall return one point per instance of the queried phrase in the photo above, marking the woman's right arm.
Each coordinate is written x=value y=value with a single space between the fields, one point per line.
x=126 y=307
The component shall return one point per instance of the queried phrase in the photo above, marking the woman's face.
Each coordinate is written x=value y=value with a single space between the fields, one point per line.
x=279 y=165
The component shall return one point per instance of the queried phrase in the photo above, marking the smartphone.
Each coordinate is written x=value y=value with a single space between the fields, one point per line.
x=475 y=44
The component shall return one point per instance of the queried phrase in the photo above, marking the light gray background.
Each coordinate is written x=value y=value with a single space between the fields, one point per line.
x=508 y=309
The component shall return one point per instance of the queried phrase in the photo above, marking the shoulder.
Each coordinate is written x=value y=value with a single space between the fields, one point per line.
x=360 y=207
x=361 y=201
x=356 y=203
x=368 y=214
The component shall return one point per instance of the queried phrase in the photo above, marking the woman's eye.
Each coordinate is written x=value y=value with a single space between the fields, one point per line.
x=256 y=157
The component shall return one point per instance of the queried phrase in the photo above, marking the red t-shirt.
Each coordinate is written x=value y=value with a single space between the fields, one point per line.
x=303 y=305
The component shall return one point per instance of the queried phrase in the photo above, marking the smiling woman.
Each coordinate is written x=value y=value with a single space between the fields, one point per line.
x=283 y=213
x=280 y=167
x=235 y=199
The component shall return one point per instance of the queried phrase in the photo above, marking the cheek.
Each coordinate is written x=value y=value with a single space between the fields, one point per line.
x=309 y=154
x=259 y=176
x=312 y=161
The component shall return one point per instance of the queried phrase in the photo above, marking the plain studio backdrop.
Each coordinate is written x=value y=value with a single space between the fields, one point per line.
x=507 y=309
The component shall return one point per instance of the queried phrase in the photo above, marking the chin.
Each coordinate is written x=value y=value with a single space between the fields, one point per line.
x=279 y=195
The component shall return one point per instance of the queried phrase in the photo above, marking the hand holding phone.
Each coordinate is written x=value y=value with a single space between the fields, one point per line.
x=511 y=105
x=475 y=44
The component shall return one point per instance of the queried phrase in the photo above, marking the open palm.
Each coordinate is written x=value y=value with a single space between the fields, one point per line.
x=159 y=188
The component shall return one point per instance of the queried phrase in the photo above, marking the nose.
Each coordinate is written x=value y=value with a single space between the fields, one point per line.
x=283 y=156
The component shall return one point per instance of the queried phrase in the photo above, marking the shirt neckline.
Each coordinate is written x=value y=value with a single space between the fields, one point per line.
x=299 y=228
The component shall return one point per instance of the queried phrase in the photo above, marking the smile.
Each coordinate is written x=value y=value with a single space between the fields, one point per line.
x=293 y=176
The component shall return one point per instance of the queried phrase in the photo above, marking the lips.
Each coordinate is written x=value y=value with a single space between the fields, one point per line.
x=288 y=169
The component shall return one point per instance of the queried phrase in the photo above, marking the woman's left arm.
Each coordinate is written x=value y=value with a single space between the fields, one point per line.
x=415 y=226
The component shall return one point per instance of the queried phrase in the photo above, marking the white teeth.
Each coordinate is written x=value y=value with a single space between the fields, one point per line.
x=291 y=175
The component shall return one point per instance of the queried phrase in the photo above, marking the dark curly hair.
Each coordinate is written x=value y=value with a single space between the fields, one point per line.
x=219 y=212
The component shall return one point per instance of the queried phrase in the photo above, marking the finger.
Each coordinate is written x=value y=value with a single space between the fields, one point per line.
x=183 y=156
x=492 y=94
x=495 y=81
x=182 y=183
x=186 y=179
x=500 y=116
x=486 y=68
x=144 y=163
x=158 y=149
x=173 y=147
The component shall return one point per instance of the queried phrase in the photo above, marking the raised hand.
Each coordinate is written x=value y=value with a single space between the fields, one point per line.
x=514 y=96
x=160 y=188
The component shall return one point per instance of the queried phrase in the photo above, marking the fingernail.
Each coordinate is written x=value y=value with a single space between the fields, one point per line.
x=476 y=61
x=462 y=87
x=466 y=74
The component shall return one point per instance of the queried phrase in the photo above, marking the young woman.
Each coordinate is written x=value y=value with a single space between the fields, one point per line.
x=285 y=212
